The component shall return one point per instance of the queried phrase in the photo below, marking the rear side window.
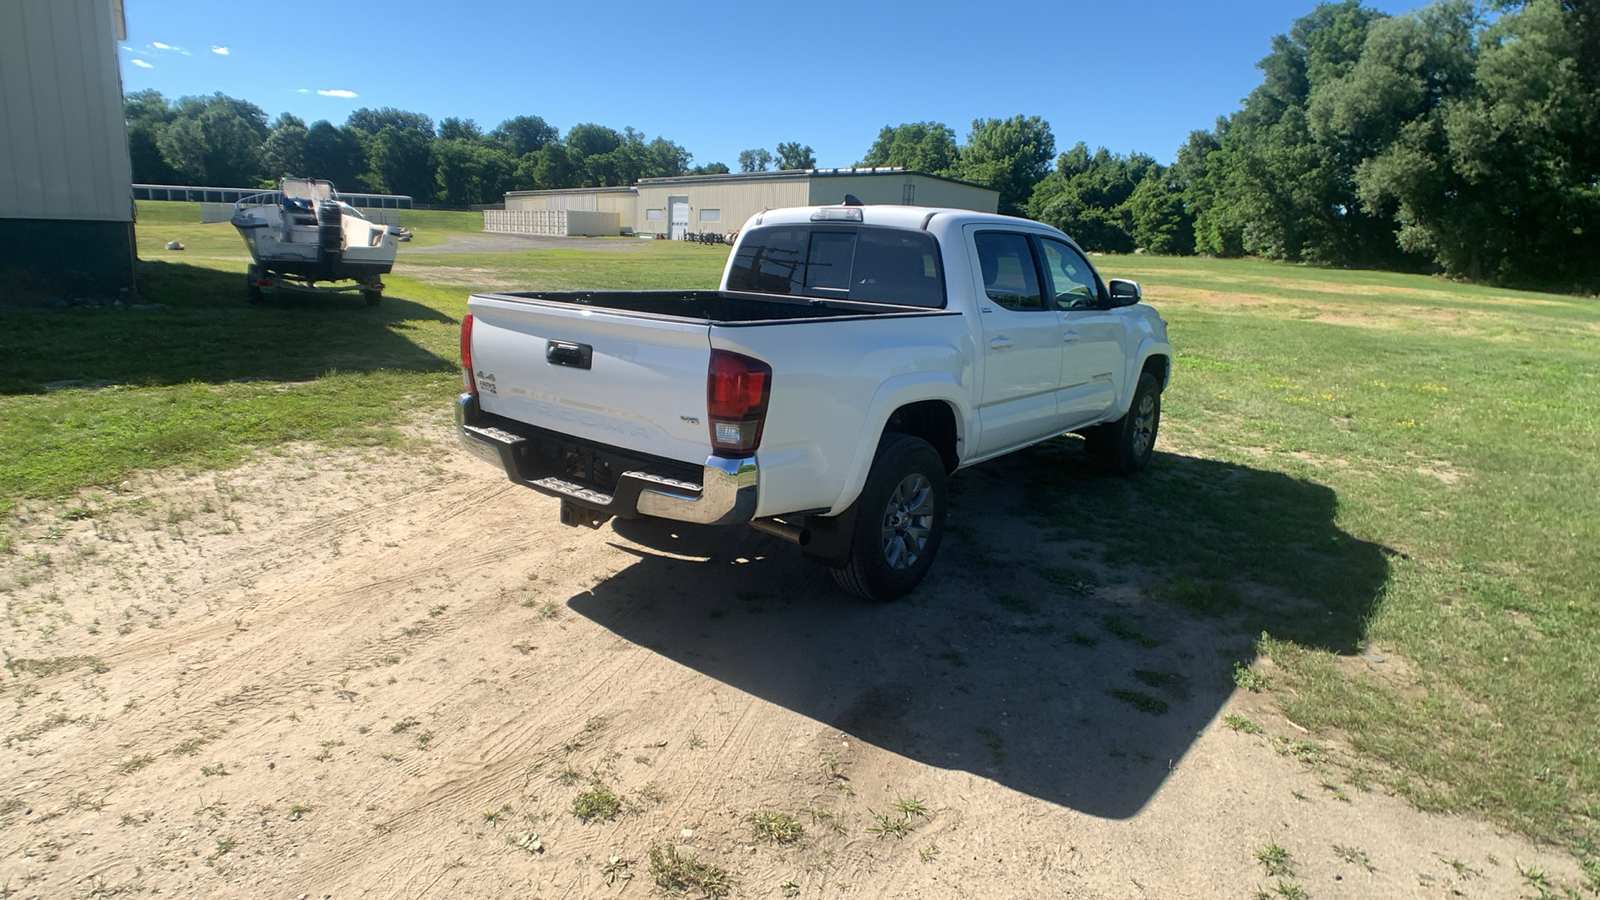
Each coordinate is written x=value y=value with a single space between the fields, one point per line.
x=1010 y=276
x=873 y=265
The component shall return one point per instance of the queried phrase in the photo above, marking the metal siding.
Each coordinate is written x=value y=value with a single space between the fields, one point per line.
x=578 y=199
x=738 y=201
x=890 y=189
x=933 y=192
x=64 y=139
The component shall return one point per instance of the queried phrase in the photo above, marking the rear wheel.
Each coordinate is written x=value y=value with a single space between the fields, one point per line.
x=901 y=521
x=373 y=296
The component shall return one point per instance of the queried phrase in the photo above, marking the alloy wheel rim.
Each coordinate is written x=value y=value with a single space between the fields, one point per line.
x=908 y=522
x=1144 y=425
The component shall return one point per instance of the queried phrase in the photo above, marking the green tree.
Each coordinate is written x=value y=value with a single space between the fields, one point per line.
x=919 y=146
x=284 y=152
x=371 y=121
x=1499 y=183
x=335 y=154
x=1157 y=219
x=793 y=156
x=1010 y=156
x=148 y=114
x=551 y=167
x=215 y=140
x=400 y=162
x=755 y=160
x=468 y=172
x=1269 y=186
x=454 y=129
x=1086 y=197
x=715 y=168
x=522 y=135
x=1202 y=174
x=589 y=139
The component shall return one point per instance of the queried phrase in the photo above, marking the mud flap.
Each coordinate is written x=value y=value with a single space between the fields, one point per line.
x=830 y=537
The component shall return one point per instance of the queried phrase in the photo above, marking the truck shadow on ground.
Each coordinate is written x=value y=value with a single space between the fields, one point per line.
x=1075 y=635
x=193 y=323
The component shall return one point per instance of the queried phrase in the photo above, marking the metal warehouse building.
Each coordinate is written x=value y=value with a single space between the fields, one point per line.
x=722 y=203
x=66 y=203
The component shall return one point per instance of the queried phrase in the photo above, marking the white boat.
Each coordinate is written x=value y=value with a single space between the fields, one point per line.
x=304 y=236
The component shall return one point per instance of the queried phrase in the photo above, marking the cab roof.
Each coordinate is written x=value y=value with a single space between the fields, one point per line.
x=890 y=215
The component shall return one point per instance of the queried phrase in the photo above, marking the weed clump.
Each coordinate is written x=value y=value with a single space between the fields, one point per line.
x=598 y=802
x=776 y=827
x=681 y=873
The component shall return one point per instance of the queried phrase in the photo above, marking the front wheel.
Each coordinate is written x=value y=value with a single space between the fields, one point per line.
x=901 y=521
x=1127 y=444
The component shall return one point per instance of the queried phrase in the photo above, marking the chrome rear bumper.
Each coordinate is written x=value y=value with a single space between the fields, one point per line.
x=726 y=494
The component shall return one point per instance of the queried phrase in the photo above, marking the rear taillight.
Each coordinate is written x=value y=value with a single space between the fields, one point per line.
x=466 y=354
x=737 y=388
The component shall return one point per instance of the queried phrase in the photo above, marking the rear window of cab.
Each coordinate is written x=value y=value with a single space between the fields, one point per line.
x=840 y=262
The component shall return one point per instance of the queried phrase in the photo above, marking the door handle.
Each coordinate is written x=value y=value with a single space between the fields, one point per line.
x=1000 y=343
x=1070 y=336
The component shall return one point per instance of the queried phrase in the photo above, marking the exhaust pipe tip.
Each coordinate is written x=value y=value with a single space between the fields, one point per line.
x=794 y=534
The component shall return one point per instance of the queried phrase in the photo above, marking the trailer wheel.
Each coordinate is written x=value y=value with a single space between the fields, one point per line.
x=252 y=291
x=373 y=296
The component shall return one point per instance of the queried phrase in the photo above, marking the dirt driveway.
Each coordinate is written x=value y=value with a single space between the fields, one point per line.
x=394 y=674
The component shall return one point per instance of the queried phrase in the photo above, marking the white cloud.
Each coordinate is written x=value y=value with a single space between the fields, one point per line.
x=303 y=91
x=339 y=93
x=141 y=64
x=220 y=51
x=168 y=47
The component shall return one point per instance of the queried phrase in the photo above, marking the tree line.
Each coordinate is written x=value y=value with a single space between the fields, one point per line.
x=225 y=142
x=218 y=140
x=1459 y=138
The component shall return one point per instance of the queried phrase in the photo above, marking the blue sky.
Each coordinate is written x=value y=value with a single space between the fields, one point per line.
x=722 y=77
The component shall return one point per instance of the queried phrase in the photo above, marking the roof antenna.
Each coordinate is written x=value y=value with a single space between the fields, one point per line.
x=852 y=200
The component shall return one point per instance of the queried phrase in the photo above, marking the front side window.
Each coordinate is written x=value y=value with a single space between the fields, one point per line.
x=862 y=263
x=1073 y=284
x=1010 y=277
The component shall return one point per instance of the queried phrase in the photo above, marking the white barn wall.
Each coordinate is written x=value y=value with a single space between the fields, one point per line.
x=736 y=198
x=63 y=140
x=618 y=201
x=735 y=201
x=880 y=188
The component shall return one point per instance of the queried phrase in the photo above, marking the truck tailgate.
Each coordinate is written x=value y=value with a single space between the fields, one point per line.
x=622 y=379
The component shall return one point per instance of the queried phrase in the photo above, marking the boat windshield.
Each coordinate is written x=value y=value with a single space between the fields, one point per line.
x=306 y=189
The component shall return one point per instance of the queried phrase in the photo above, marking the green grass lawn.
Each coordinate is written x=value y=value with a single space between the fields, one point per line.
x=1458 y=428
x=1355 y=462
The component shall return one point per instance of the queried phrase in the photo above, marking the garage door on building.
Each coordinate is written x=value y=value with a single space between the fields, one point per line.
x=679 y=217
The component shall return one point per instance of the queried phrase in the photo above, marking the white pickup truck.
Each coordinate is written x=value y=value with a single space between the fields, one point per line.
x=853 y=358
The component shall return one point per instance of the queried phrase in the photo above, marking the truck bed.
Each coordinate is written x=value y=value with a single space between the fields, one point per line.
x=715 y=307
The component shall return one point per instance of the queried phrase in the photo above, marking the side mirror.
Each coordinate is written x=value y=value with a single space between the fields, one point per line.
x=1124 y=292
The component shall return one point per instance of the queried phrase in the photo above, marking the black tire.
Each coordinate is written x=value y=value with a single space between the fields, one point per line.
x=373 y=297
x=1128 y=444
x=900 y=523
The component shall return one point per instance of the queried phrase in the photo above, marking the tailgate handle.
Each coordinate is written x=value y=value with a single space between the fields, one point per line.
x=563 y=353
